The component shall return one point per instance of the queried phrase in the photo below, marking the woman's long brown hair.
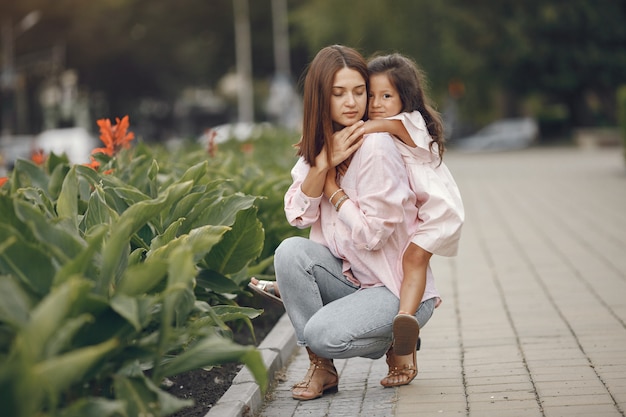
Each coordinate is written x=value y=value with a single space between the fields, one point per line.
x=317 y=125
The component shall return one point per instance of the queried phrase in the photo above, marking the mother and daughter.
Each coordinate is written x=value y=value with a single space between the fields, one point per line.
x=378 y=205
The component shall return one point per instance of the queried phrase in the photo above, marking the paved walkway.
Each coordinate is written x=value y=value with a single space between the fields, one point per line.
x=533 y=321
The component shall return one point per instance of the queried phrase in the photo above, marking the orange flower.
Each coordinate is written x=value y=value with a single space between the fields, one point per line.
x=38 y=156
x=114 y=137
x=3 y=180
x=93 y=164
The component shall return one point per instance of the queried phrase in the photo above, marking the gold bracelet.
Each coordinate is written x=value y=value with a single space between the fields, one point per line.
x=341 y=200
x=330 y=200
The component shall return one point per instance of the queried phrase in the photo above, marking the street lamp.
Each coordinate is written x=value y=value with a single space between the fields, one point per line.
x=7 y=78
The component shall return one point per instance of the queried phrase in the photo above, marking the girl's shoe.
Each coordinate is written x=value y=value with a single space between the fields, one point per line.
x=406 y=333
x=320 y=378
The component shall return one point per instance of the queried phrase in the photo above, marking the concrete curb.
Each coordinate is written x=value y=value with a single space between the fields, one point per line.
x=244 y=398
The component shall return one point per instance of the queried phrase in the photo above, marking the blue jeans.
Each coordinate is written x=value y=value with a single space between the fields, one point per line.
x=330 y=314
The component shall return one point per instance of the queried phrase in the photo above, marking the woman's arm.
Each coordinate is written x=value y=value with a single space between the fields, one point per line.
x=395 y=127
x=384 y=198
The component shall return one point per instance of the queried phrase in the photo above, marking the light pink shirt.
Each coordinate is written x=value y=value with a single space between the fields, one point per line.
x=441 y=211
x=374 y=226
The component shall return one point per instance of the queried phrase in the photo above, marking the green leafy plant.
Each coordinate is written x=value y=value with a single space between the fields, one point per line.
x=115 y=278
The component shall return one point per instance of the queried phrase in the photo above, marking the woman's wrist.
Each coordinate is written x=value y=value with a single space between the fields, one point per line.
x=340 y=202
x=332 y=196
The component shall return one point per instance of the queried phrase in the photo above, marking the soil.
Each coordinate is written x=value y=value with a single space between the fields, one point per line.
x=207 y=387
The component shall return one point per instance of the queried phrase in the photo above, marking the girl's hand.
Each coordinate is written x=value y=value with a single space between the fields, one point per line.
x=346 y=141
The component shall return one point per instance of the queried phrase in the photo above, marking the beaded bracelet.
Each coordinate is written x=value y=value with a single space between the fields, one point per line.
x=341 y=200
x=330 y=200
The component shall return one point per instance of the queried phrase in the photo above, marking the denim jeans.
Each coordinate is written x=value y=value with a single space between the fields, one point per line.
x=330 y=314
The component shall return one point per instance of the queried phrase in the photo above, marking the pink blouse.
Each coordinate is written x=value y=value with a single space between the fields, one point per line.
x=441 y=211
x=374 y=226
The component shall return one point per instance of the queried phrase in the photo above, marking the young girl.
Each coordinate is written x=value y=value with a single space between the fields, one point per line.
x=398 y=104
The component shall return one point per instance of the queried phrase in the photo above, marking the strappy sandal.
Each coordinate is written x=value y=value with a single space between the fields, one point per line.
x=266 y=289
x=406 y=332
x=399 y=375
x=320 y=379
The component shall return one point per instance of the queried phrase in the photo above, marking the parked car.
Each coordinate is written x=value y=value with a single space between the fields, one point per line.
x=503 y=134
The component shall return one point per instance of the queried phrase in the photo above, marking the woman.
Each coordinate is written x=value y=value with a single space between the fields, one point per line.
x=340 y=287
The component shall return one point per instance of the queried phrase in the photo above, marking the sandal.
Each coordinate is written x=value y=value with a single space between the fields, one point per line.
x=398 y=375
x=266 y=289
x=320 y=378
x=406 y=332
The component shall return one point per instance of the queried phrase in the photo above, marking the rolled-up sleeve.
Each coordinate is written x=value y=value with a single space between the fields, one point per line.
x=441 y=211
x=301 y=210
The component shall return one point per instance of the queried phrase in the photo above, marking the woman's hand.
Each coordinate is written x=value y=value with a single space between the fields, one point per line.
x=346 y=141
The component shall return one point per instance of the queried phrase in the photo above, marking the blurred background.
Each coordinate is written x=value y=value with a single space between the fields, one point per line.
x=543 y=69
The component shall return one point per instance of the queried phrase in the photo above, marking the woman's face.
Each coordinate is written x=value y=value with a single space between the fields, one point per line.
x=384 y=100
x=348 y=99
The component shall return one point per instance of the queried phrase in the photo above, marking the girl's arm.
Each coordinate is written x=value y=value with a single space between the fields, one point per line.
x=395 y=127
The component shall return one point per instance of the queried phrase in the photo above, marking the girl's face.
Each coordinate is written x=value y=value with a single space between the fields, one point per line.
x=384 y=100
x=348 y=99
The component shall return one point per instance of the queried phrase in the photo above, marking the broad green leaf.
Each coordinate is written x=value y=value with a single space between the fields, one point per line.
x=131 y=195
x=59 y=170
x=25 y=260
x=228 y=313
x=261 y=267
x=143 y=398
x=58 y=240
x=83 y=261
x=61 y=340
x=38 y=199
x=199 y=241
x=95 y=407
x=67 y=204
x=214 y=281
x=167 y=236
x=195 y=173
x=98 y=212
x=180 y=279
x=143 y=277
x=48 y=316
x=215 y=350
x=27 y=174
x=239 y=246
x=136 y=256
x=185 y=207
x=134 y=309
x=60 y=372
x=129 y=223
x=14 y=303
x=225 y=210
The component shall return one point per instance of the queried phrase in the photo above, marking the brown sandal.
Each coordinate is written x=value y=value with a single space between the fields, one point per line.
x=406 y=372
x=320 y=378
x=406 y=332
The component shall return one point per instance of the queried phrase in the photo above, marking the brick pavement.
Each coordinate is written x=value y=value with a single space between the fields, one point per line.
x=533 y=321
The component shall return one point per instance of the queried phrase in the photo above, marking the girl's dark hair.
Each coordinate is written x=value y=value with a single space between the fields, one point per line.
x=410 y=82
x=317 y=124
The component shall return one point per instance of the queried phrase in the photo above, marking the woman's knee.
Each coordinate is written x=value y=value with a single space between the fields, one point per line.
x=321 y=338
x=288 y=250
